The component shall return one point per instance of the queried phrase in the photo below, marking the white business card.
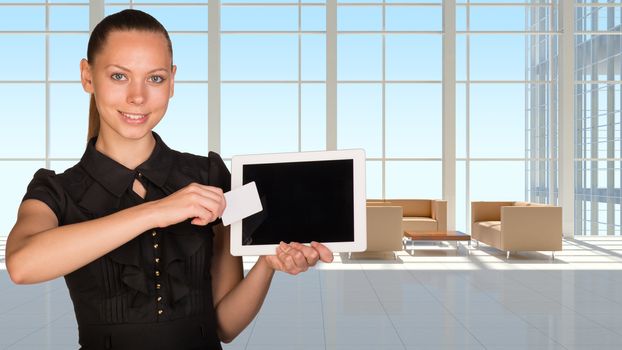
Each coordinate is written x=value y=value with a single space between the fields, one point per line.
x=242 y=202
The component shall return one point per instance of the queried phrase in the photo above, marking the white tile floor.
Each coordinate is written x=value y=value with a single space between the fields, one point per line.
x=432 y=298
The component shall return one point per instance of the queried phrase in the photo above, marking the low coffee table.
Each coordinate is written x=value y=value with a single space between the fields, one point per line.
x=441 y=236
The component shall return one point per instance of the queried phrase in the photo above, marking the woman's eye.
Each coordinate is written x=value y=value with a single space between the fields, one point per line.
x=156 y=79
x=118 y=76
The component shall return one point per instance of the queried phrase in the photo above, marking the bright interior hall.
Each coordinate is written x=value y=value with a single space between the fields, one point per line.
x=460 y=101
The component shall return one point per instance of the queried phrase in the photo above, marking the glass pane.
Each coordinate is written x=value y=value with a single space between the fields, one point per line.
x=271 y=1
x=22 y=135
x=462 y=206
x=108 y=9
x=23 y=1
x=66 y=51
x=313 y=18
x=185 y=18
x=359 y=18
x=184 y=127
x=168 y=1
x=415 y=1
x=313 y=117
x=359 y=118
x=313 y=57
x=259 y=57
x=413 y=120
x=59 y=166
x=461 y=57
x=69 y=116
x=414 y=18
x=16 y=176
x=498 y=57
x=262 y=18
x=598 y=57
x=461 y=19
x=401 y=183
x=497 y=180
x=268 y=110
x=25 y=57
x=20 y=18
x=501 y=1
x=373 y=177
x=359 y=57
x=461 y=121
x=190 y=56
x=497 y=120
x=488 y=18
x=69 y=18
x=606 y=19
x=414 y=57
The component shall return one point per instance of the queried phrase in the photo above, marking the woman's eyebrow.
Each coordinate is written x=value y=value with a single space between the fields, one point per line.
x=128 y=70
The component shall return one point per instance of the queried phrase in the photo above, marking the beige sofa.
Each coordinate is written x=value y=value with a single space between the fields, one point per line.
x=418 y=214
x=517 y=226
x=384 y=233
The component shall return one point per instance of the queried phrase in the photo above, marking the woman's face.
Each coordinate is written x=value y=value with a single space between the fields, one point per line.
x=132 y=80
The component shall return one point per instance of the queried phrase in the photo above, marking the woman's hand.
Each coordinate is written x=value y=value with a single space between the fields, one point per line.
x=295 y=258
x=203 y=204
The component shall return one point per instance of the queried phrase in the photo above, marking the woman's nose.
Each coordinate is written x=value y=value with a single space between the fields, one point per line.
x=136 y=93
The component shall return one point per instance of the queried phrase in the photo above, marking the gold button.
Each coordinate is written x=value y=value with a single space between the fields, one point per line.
x=158 y=286
x=155 y=246
x=157 y=273
x=160 y=312
x=154 y=233
x=157 y=260
x=159 y=298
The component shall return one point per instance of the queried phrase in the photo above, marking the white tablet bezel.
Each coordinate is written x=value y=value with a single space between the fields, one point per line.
x=360 y=217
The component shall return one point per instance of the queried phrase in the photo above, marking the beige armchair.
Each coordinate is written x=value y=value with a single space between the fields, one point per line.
x=384 y=233
x=517 y=226
x=418 y=214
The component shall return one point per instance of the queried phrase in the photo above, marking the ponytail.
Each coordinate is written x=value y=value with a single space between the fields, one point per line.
x=93 y=119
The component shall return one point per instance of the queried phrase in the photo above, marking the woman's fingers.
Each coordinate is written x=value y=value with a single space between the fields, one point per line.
x=294 y=258
x=326 y=255
x=310 y=254
x=212 y=198
x=286 y=260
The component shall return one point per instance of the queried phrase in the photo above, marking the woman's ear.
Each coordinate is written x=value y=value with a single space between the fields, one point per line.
x=172 y=82
x=86 y=76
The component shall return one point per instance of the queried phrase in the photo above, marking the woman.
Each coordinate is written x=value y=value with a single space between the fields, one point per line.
x=134 y=227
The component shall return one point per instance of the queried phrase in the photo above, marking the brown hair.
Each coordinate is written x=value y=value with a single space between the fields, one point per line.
x=125 y=20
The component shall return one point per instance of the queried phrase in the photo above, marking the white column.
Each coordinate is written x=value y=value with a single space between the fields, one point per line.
x=331 y=74
x=96 y=13
x=566 y=117
x=449 y=110
x=213 y=69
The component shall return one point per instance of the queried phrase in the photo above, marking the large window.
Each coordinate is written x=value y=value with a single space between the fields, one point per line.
x=317 y=74
x=44 y=117
x=273 y=66
x=505 y=80
x=597 y=118
x=389 y=99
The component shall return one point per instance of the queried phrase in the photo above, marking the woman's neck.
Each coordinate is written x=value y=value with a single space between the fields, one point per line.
x=127 y=152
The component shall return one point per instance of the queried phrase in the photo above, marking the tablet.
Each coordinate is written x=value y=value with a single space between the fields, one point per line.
x=306 y=196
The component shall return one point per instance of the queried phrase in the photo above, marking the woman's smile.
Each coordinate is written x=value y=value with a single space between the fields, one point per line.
x=134 y=118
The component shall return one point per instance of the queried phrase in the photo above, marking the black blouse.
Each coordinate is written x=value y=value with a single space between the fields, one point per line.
x=156 y=288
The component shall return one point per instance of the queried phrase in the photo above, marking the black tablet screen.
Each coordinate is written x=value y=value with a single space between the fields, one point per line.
x=302 y=201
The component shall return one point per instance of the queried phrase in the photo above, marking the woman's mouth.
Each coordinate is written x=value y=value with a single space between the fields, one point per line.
x=134 y=118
